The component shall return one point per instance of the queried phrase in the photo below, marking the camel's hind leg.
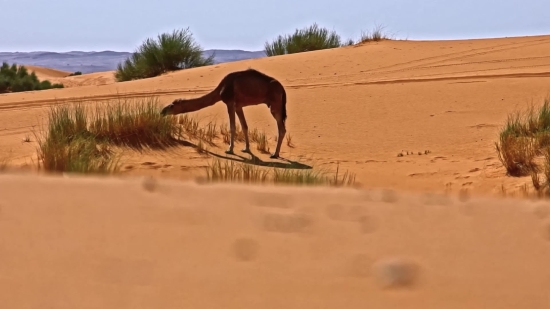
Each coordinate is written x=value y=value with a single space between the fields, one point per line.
x=281 y=130
x=232 y=126
x=244 y=125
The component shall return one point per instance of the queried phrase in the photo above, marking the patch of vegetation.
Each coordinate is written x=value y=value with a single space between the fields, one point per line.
x=75 y=73
x=230 y=171
x=524 y=143
x=523 y=137
x=80 y=139
x=170 y=52
x=16 y=78
x=262 y=144
x=377 y=34
x=303 y=40
x=133 y=123
x=69 y=147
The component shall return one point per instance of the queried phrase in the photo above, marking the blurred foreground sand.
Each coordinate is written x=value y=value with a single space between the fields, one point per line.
x=134 y=243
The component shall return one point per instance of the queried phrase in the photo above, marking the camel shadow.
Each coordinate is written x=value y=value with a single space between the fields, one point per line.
x=254 y=160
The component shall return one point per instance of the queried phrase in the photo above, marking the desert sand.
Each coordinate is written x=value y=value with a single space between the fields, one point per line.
x=136 y=243
x=116 y=243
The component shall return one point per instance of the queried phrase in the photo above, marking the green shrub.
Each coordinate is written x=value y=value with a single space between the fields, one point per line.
x=75 y=73
x=170 y=52
x=303 y=40
x=16 y=78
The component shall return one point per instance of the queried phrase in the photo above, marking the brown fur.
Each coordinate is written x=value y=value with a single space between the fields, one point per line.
x=237 y=90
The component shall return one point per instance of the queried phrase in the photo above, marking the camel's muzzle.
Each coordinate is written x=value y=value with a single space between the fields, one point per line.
x=167 y=110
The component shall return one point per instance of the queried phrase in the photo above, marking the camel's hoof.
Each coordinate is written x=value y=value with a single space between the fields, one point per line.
x=246 y=150
x=229 y=152
x=274 y=156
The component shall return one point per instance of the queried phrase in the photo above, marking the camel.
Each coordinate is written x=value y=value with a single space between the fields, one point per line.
x=237 y=90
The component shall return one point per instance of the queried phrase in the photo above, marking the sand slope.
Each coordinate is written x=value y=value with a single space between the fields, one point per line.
x=359 y=106
x=62 y=77
x=47 y=73
x=117 y=243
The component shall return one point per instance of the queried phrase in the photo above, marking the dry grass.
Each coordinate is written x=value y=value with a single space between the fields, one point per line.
x=377 y=34
x=80 y=138
x=201 y=149
x=230 y=171
x=132 y=123
x=289 y=142
x=192 y=128
x=517 y=154
x=226 y=133
x=524 y=136
x=212 y=132
x=524 y=140
x=262 y=143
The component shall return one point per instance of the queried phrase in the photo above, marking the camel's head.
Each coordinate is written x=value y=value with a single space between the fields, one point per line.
x=168 y=109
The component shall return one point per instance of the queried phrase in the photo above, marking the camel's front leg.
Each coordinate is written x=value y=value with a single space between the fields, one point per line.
x=240 y=114
x=232 y=127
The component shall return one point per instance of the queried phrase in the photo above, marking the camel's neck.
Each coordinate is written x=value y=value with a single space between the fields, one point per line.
x=191 y=105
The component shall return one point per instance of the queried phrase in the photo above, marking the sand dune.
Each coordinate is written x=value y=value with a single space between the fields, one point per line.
x=127 y=243
x=359 y=106
x=46 y=73
x=124 y=243
x=62 y=77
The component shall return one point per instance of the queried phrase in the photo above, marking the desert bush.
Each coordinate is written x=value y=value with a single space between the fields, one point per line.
x=16 y=78
x=524 y=136
x=303 y=40
x=80 y=138
x=75 y=73
x=170 y=52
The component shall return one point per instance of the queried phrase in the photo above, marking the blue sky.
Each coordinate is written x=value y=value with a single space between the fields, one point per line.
x=121 y=25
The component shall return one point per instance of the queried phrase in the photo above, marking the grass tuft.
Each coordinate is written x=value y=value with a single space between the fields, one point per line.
x=230 y=171
x=524 y=136
x=524 y=140
x=134 y=124
x=377 y=34
x=69 y=147
x=262 y=144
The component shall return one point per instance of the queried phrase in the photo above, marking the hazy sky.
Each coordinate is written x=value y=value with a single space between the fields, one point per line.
x=121 y=25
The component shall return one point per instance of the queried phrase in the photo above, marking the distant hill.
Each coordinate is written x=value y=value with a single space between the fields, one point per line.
x=90 y=62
